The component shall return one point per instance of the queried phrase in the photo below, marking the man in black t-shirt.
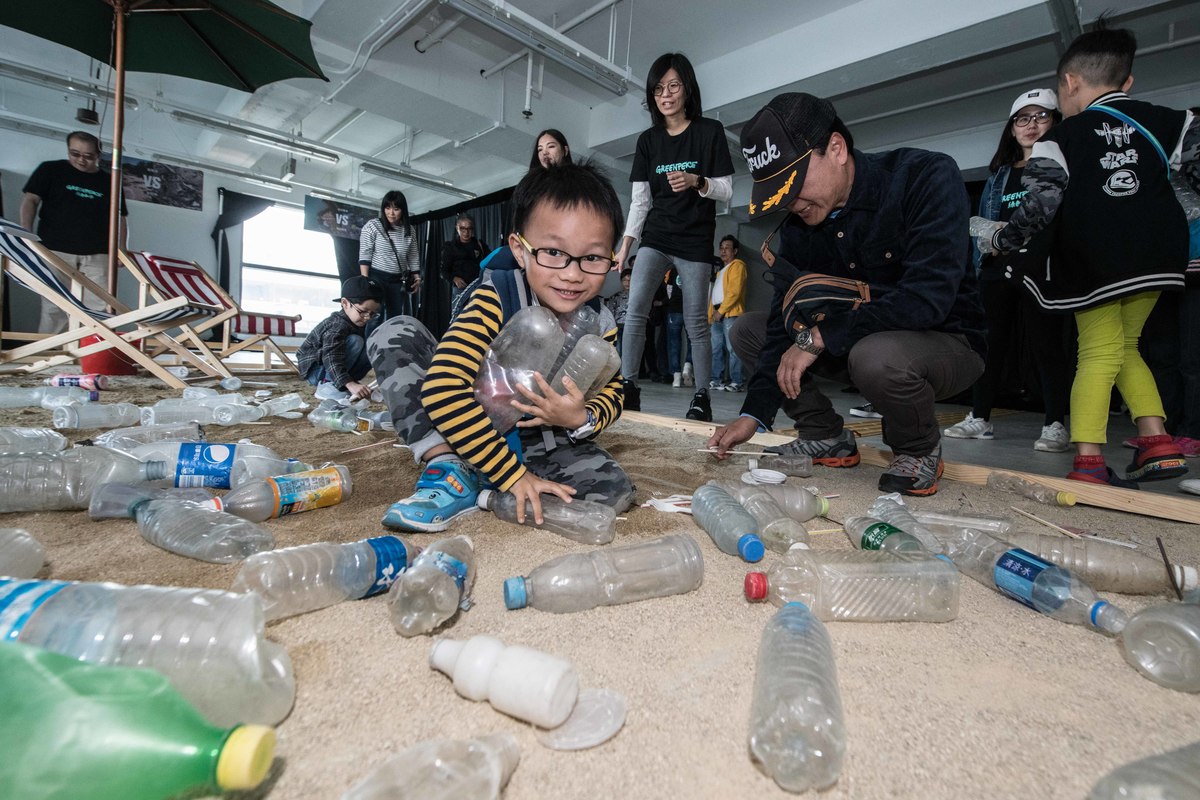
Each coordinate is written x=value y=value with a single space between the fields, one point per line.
x=70 y=200
x=461 y=256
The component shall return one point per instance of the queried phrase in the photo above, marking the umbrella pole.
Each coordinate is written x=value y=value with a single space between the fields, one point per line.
x=116 y=190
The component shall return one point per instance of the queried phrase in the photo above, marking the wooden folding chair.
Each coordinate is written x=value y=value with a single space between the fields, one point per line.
x=38 y=269
x=161 y=278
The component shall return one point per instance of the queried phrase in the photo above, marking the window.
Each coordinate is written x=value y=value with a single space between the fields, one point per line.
x=286 y=269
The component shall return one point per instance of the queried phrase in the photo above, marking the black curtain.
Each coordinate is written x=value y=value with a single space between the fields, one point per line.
x=346 y=252
x=236 y=208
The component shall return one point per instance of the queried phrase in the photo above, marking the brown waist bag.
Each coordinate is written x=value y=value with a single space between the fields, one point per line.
x=814 y=296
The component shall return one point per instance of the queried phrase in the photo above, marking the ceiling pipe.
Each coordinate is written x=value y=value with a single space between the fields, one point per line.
x=439 y=33
x=570 y=24
x=347 y=121
x=289 y=144
x=415 y=178
x=84 y=88
x=409 y=13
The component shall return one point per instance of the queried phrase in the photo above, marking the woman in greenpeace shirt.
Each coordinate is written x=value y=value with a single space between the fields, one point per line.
x=681 y=167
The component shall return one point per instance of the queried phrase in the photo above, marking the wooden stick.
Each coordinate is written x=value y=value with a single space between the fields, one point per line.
x=1047 y=523
x=367 y=446
x=1167 y=564
x=736 y=452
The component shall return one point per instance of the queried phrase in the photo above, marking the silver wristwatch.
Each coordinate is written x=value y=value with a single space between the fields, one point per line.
x=803 y=339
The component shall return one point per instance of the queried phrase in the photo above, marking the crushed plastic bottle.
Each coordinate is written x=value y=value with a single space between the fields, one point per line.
x=945 y=523
x=236 y=414
x=615 y=575
x=21 y=555
x=297 y=580
x=31 y=396
x=118 y=500
x=797 y=502
x=797 y=735
x=198 y=531
x=796 y=465
x=74 y=729
x=869 y=533
x=435 y=586
x=337 y=418
x=209 y=644
x=200 y=463
x=1163 y=643
x=91 y=381
x=95 y=415
x=444 y=769
x=730 y=526
x=126 y=439
x=777 y=530
x=66 y=480
x=1015 y=484
x=278 y=496
x=584 y=521
x=253 y=466
x=1174 y=775
x=27 y=441
x=892 y=510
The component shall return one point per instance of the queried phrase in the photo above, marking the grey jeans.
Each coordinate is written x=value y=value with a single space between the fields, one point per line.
x=901 y=373
x=649 y=270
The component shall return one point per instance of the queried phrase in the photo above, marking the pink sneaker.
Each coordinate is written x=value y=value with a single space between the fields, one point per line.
x=1189 y=447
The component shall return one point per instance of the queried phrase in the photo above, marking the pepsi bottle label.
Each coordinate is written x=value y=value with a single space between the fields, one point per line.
x=204 y=464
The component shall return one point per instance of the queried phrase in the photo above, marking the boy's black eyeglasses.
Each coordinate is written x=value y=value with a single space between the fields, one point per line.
x=362 y=312
x=1025 y=119
x=553 y=258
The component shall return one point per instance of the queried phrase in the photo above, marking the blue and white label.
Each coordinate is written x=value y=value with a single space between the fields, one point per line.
x=1015 y=573
x=204 y=465
x=19 y=600
x=391 y=559
x=455 y=569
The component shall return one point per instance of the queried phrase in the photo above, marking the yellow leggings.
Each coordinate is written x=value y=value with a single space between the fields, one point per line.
x=1108 y=354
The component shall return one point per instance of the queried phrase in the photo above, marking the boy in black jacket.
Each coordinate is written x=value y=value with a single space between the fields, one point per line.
x=333 y=356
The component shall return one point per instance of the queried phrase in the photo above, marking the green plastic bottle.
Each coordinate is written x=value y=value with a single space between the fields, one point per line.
x=72 y=729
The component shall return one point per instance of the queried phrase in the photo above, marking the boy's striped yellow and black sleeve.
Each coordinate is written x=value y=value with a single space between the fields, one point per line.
x=609 y=401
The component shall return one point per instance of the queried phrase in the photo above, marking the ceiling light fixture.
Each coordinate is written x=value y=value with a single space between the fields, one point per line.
x=83 y=88
x=270 y=183
x=292 y=145
x=407 y=176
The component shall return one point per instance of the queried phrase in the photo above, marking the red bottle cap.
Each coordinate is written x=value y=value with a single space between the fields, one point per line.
x=755 y=586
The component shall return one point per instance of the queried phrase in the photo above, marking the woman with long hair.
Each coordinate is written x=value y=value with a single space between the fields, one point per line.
x=681 y=168
x=387 y=252
x=550 y=147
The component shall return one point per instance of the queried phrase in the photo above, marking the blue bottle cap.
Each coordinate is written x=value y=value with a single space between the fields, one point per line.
x=514 y=593
x=750 y=547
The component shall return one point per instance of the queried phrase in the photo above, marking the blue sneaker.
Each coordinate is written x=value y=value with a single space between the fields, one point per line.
x=445 y=491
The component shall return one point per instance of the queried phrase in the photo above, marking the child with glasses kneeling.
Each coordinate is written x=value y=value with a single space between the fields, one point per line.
x=566 y=219
x=333 y=356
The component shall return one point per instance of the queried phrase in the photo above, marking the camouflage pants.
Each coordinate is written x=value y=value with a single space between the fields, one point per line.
x=401 y=350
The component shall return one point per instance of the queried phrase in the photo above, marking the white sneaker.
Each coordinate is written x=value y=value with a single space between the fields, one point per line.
x=689 y=375
x=867 y=411
x=1055 y=439
x=327 y=391
x=677 y=381
x=970 y=428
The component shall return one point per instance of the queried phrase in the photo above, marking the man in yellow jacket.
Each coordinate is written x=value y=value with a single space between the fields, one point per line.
x=728 y=302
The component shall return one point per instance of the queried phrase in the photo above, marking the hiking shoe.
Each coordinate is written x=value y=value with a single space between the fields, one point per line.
x=1156 y=458
x=738 y=387
x=866 y=411
x=1054 y=439
x=1189 y=447
x=716 y=386
x=840 y=451
x=1111 y=479
x=633 y=396
x=445 y=491
x=701 y=407
x=913 y=475
x=677 y=380
x=970 y=428
x=689 y=375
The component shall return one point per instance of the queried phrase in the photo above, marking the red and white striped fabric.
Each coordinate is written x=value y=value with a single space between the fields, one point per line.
x=271 y=324
x=174 y=278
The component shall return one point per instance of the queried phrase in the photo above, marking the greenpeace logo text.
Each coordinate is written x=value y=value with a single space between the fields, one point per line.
x=756 y=160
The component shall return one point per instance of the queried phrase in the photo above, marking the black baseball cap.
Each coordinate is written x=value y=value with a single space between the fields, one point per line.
x=777 y=143
x=360 y=288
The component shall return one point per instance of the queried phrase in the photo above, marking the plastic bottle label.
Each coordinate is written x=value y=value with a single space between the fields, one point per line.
x=18 y=602
x=873 y=536
x=455 y=569
x=304 y=491
x=204 y=465
x=1015 y=573
x=391 y=559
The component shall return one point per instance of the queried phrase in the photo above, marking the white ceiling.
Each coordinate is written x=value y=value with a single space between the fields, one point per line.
x=931 y=73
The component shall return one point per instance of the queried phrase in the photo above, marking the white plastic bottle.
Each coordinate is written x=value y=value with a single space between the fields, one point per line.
x=21 y=555
x=777 y=530
x=252 y=466
x=296 y=580
x=27 y=441
x=797 y=465
x=730 y=526
x=584 y=521
x=1174 y=775
x=797 y=735
x=281 y=495
x=860 y=586
x=1015 y=484
x=797 y=502
x=1031 y=581
x=435 y=586
x=126 y=439
x=200 y=463
x=1163 y=643
x=30 y=396
x=444 y=769
x=868 y=533
x=891 y=510
x=95 y=415
x=615 y=575
x=60 y=481
x=528 y=684
x=210 y=644
x=200 y=532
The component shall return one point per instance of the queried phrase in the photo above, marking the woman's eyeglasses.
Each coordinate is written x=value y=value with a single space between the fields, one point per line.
x=668 y=88
x=1025 y=119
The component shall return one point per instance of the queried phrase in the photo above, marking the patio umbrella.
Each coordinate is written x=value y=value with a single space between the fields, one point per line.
x=242 y=44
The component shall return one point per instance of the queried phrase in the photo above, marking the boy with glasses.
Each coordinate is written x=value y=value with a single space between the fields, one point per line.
x=333 y=356
x=566 y=219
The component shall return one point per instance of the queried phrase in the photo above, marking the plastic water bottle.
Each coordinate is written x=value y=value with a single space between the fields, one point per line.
x=336 y=418
x=797 y=465
x=199 y=463
x=584 y=521
x=1015 y=484
x=626 y=574
x=252 y=466
x=110 y=733
x=120 y=500
x=208 y=643
x=797 y=502
x=197 y=531
x=797 y=735
x=730 y=526
x=236 y=414
x=281 y=495
x=196 y=392
x=26 y=441
x=444 y=769
x=28 y=397
x=126 y=439
x=60 y=481
x=576 y=324
x=1174 y=775
x=21 y=555
x=869 y=533
x=1106 y=567
x=519 y=681
x=95 y=415
x=201 y=415
x=1031 y=581
x=860 y=586
x=611 y=368
x=584 y=365
x=91 y=381
x=296 y=580
x=947 y=522
x=1163 y=643
x=891 y=510
x=435 y=586
x=777 y=530
x=531 y=341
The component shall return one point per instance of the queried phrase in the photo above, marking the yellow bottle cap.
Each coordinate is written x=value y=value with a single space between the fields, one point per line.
x=824 y=506
x=1066 y=498
x=246 y=757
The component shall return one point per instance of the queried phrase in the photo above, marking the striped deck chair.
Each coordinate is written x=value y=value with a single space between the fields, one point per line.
x=163 y=277
x=31 y=264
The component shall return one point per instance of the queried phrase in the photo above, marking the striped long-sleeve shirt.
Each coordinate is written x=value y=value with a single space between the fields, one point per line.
x=449 y=399
x=375 y=250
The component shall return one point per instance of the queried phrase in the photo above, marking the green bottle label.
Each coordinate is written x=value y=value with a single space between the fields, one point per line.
x=873 y=536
